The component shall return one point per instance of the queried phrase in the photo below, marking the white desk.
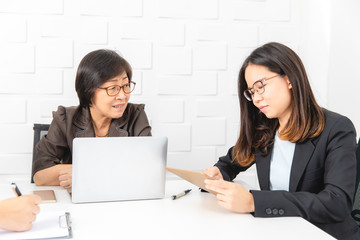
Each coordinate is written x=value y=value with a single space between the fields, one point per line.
x=194 y=216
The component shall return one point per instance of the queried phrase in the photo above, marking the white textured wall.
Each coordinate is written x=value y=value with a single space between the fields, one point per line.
x=344 y=74
x=185 y=55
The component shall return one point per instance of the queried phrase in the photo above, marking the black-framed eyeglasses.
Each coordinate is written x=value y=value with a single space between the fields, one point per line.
x=258 y=87
x=114 y=90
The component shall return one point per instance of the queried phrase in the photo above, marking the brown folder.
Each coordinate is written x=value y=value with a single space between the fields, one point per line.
x=195 y=178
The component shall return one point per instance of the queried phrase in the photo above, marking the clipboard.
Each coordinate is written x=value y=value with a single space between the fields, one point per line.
x=48 y=225
x=195 y=178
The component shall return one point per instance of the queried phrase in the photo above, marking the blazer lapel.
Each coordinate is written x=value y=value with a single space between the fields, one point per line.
x=263 y=169
x=83 y=125
x=302 y=155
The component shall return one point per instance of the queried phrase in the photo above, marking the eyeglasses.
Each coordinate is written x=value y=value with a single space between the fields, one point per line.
x=258 y=87
x=114 y=90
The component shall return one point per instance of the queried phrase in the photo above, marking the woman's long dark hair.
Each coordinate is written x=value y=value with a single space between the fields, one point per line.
x=256 y=130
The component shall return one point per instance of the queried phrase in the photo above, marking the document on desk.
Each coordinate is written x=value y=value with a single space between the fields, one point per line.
x=48 y=225
x=196 y=178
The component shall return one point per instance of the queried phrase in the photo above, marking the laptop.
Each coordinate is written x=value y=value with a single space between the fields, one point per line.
x=118 y=168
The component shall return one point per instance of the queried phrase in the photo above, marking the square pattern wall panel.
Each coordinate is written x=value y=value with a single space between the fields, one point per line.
x=185 y=57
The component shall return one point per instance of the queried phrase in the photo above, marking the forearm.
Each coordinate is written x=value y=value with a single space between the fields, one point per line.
x=328 y=206
x=50 y=176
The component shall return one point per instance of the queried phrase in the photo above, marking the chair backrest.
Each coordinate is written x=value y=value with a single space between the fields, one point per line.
x=356 y=207
x=358 y=166
x=39 y=131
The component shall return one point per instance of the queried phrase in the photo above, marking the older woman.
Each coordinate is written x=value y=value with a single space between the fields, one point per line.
x=103 y=84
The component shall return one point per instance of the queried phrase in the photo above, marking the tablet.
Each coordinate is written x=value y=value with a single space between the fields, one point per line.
x=195 y=178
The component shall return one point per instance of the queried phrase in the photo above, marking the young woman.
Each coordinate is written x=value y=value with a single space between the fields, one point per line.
x=103 y=84
x=304 y=155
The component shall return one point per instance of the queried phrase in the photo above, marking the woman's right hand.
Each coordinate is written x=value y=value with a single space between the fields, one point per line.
x=18 y=214
x=214 y=173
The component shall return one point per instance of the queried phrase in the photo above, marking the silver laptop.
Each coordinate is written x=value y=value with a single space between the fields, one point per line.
x=118 y=168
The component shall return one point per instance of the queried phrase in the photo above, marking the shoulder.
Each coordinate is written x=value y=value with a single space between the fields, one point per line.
x=134 y=111
x=133 y=108
x=64 y=113
x=335 y=121
x=338 y=130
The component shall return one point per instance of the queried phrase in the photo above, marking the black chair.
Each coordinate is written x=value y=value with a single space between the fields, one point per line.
x=357 y=166
x=39 y=131
x=356 y=207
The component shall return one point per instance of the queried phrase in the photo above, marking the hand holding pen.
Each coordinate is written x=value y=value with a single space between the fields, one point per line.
x=17 y=214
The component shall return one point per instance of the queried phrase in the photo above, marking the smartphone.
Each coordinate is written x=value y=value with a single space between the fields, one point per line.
x=47 y=196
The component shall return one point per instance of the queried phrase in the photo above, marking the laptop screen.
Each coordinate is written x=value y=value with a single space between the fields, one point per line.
x=118 y=168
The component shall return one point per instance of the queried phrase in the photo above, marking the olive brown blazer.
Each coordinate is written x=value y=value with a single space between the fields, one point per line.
x=72 y=122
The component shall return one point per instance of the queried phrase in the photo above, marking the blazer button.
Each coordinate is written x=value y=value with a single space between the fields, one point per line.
x=268 y=211
x=275 y=211
x=281 y=211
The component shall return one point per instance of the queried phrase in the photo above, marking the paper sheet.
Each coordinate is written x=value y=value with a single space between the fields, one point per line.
x=47 y=225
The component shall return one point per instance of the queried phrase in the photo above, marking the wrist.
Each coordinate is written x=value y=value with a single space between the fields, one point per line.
x=252 y=203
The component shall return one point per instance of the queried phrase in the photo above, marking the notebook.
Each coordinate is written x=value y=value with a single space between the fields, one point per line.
x=118 y=168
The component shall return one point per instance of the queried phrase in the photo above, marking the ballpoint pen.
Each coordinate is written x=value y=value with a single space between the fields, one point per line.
x=183 y=193
x=16 y=189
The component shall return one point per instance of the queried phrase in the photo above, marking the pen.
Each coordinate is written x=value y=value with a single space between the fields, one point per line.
x=16 y=189
x=183 y=193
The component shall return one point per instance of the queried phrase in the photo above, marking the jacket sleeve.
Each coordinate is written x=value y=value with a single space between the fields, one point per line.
x=53 y=146
x=334 y=202
x=229 y=168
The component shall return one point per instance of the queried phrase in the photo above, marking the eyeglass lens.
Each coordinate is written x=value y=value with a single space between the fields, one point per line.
x=114 y=90
x=257 y=87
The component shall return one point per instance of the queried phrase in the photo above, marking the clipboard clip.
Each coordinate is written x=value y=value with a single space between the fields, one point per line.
x=65 y=222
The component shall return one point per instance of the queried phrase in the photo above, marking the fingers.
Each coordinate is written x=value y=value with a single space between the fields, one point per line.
x=35 y=199
x=232 y=196
x=66 y=183
x=36 y=210
x=213 y=172
x=65 y=171
x=219 y=186
x=65 y=178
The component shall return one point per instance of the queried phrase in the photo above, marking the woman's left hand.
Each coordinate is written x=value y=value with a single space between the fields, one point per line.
x=232 y=196
x=65 y=177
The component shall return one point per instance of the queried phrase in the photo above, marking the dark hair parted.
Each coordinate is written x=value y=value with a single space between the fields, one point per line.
x=256 y=130
x=95 y=69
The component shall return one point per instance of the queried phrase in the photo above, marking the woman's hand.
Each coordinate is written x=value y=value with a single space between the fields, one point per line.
x=18 y=214
x=232 y=196
x=213 y=173
x=65 y=177
x=58 y=175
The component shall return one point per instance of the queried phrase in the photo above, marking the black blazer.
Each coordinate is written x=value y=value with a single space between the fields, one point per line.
x=322 y=180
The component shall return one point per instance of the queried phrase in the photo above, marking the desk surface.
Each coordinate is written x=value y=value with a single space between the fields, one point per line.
x=196 y=215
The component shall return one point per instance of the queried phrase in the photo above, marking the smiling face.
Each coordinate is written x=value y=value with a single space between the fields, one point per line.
x=109 y=107
x=275 y=101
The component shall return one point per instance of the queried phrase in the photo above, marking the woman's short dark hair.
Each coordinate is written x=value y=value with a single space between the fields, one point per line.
x=95 y=69
x=256 y=130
